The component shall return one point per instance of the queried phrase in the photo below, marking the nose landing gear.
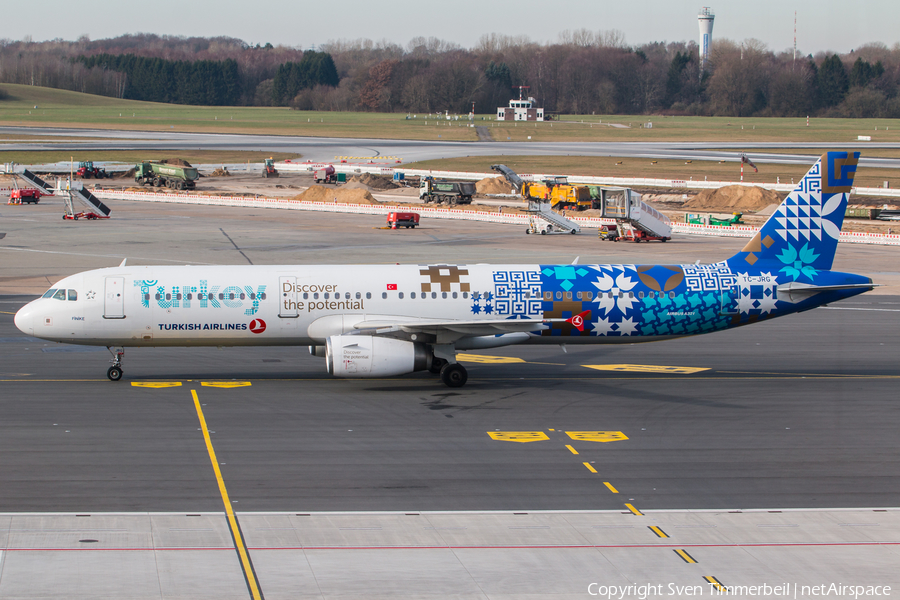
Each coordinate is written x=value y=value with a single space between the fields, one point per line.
x=115 y=371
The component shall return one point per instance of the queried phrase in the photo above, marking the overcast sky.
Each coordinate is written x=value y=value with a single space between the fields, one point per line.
x=821 y=24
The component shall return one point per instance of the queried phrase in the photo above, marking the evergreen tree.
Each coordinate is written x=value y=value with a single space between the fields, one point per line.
x=833 y=81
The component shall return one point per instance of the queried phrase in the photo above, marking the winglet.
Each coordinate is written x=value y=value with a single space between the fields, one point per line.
x=577 y=321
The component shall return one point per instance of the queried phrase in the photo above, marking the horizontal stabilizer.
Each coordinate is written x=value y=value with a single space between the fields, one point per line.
x=797 y=292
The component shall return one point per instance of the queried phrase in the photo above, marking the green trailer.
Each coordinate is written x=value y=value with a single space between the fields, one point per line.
x=163 y=175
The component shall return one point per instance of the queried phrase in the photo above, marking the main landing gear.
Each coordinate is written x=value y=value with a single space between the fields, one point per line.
x=453 y=374
x=115 y=371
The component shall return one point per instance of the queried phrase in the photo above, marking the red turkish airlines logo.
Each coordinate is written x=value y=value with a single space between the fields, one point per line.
x=257 y=325
x=577 y=321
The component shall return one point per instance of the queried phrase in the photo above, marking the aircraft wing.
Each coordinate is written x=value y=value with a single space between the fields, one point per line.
x=476 y=327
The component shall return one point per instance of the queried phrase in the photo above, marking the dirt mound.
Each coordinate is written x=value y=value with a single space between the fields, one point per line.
x=318 y=193
x=178 y=162
x=356 y=185
x=127 y=174
x=734 y=198
x=493 y=185
x=220 y=172
x=376 y=182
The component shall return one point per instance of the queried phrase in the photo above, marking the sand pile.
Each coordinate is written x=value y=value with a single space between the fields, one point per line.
x=178 y=162
x=220 y=172
x=356 y=185
x=375 y=182
x=345 y=195
x=493 y=185
x=731 y=198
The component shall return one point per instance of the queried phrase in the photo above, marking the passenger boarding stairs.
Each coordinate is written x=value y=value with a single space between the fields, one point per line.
x=71 y=189
x=626 y=207
x=75 y=189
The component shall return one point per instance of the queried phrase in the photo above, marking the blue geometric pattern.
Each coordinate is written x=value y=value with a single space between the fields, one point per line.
x=517 y=294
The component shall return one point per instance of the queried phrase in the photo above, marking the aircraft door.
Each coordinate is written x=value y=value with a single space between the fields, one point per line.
x=287 y=308
x=729 y=300
x=114 y=298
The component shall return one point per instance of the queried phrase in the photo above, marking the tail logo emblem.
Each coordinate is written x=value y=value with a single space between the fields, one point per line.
x=257 y=325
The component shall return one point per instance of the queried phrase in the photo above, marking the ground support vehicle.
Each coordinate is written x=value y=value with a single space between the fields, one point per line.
x=711 y=220
x=451 y=192
x=163 y=175
x=25 y=196
x=608 y=233
x=325 y=175
x=396 y=220
x=629 y=233
x=87 y=170
x=269 y=169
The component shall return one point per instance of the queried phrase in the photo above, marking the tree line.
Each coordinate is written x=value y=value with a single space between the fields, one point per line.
x=583 y=72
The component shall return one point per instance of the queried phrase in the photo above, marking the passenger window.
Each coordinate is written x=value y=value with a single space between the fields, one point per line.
x=434 y=294
x=559 y=295
x=631 y=294
x=347 y=296
x=640 y=294
x=671 y=294
x=59 y=295
x=400 y=295
x=652 y=294
x=168 y=296
x=577 y=295
x=444 y=295
x=315 y=295
x=221 y=296
x=465 y=294
x=262 y=296
x=384 y=295
x=159 y=296
x=358 y=295
x=146 y=296
x=242 y=297
x=252 y=296
x=412 y=295
x=454 y=295
x=306 y=295
x=49 y=293
x=190 y=297
x=325 y=296
x=73 y=295
x=548 y=295
x=178 y=296
x=588 y=295
x=368 y=295
x=568 y=295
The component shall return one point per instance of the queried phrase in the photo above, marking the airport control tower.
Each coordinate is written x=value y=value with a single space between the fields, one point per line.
x=705 y=19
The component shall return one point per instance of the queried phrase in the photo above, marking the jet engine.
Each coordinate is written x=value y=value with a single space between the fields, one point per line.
x=370 y=356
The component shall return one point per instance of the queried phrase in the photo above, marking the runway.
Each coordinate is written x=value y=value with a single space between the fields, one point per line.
x=325 y=149
x=797 y=413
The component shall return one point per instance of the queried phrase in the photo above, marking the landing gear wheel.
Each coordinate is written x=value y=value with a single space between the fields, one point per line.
x=544 y=231
x=436 y=365
x=114 y=373
x=454 y=375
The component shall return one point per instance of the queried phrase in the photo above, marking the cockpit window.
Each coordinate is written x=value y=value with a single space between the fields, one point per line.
x=49 y=293
x=73 y=295
x=59 y=295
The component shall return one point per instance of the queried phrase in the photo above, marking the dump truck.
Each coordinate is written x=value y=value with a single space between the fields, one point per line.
x=163 y=175
x=451 y=192
x=269 y=168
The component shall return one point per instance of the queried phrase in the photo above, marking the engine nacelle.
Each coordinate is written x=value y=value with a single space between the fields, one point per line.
x=370 y=356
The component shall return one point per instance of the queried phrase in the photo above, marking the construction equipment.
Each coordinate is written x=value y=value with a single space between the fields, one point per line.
x=325 y=175
x=542 y=220
x=559 y=193
x=451 y=192
x=163 y=175
x=712 y=220
x=87 y=170
x=269 y=168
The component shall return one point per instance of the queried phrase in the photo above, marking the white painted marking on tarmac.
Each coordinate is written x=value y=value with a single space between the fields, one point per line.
x=179 y=261
x=872 y=309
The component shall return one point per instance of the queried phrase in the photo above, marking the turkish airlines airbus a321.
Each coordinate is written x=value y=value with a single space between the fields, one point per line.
x=379 y=321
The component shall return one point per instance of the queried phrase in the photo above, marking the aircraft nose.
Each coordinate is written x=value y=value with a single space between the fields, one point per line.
x=24 y=319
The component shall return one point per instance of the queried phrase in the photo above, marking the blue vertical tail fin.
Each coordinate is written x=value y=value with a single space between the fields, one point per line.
x=802 y=234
